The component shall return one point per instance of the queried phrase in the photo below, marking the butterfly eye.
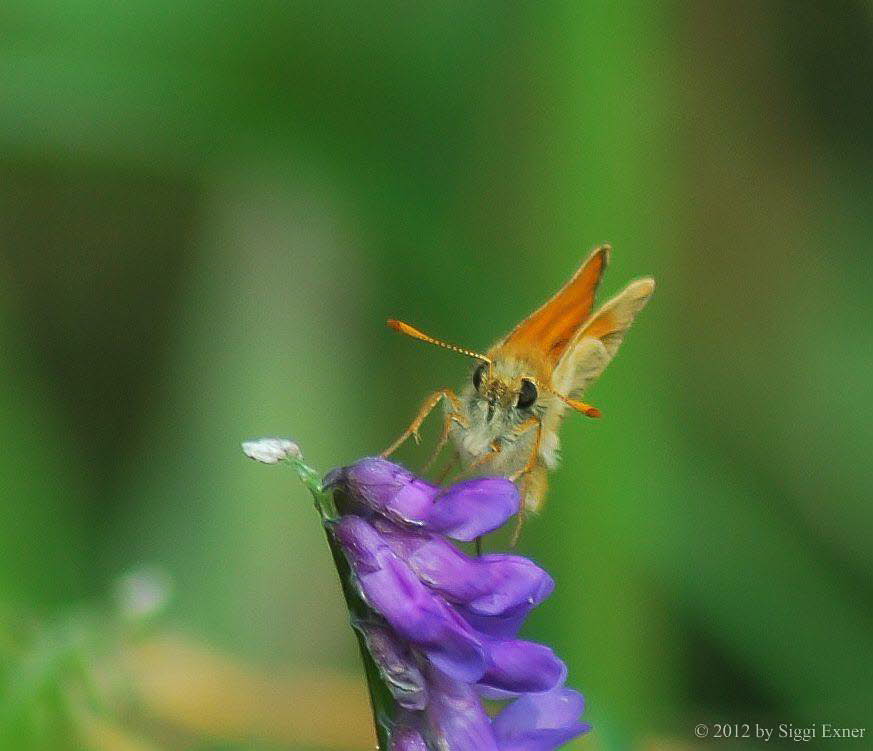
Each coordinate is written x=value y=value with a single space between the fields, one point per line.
x=478 y=374
x=527 y=395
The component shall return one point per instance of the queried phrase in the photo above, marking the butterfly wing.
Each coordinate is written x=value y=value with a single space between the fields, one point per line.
x=598 y=339
x=547 y=331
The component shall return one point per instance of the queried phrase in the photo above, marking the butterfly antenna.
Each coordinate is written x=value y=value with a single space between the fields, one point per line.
x=586 y=409
x=405 y=328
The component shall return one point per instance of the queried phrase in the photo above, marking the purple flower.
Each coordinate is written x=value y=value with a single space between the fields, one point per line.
x=416 y=614
x=540 y=722
x=456 y=718
x=441 y=625
x=464 y=512
x=405 y=738
x=520 y=667
x=492 y=585
x=397 y=665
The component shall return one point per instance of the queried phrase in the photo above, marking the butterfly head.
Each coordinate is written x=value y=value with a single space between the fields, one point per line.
x=500 y=390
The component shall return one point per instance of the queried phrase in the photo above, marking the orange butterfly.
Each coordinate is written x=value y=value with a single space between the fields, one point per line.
x=506 y=419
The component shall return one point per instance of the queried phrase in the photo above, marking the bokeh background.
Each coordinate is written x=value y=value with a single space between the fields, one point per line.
x=207 y=211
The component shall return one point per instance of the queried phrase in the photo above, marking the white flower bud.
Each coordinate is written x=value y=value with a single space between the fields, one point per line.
x=271 y=450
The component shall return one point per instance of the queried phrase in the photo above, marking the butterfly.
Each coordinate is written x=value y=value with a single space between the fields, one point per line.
x=506 y=418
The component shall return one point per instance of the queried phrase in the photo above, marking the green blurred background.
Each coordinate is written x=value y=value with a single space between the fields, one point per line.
x=207 y=211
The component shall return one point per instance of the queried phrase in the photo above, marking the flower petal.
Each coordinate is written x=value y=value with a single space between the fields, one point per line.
x=464 y=511
x=455 y=716
x=540 y=722
x=503 y=626
x=512 y=581
x=386 y=488
x=520 y=667
x=415 y=613
x=473 y=508
x=406 y=737
x=396 y=665
x=490 y=585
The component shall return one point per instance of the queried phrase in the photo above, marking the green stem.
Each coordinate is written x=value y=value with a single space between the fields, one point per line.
x=381 y=700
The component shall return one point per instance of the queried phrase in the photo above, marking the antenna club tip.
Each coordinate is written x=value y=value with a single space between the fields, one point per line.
x=393 y=323
x=593 y=412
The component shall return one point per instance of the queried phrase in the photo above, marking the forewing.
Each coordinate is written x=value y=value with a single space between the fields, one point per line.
x=548 y=330
x=597 y=341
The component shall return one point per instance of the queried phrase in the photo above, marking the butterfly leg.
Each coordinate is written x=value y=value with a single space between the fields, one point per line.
x=426 y=409
x=524 y=473
x=522 y=515
x=531 y=422
x=484 y=459
x=451 y=417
